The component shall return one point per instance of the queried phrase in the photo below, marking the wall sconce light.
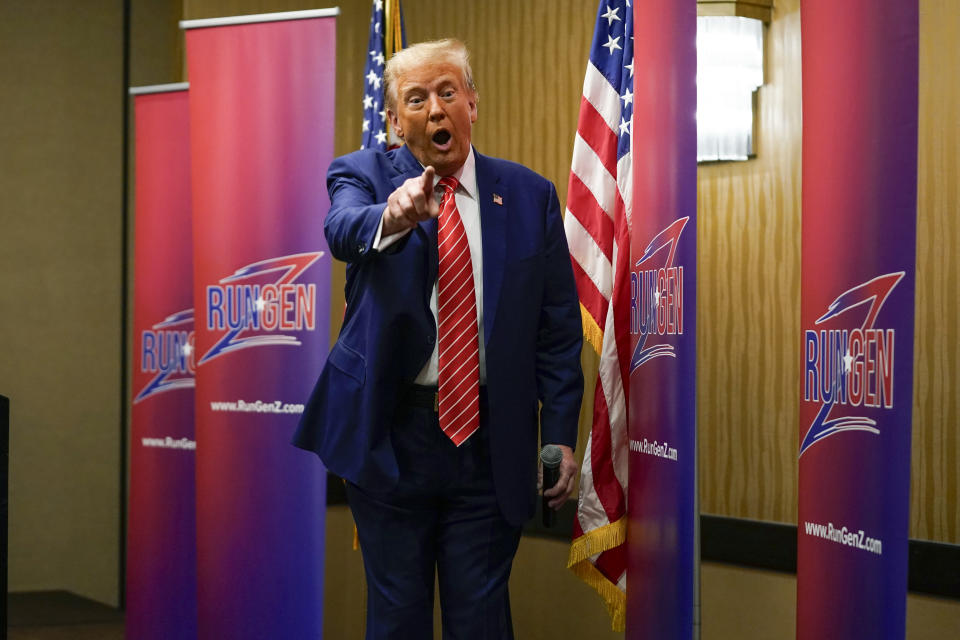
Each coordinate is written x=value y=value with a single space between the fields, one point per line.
x=729 y=70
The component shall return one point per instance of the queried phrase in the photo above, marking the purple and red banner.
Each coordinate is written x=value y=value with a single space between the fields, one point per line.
x=262 y=118
x=860 y=78
x=661 y=504
x=161 y=580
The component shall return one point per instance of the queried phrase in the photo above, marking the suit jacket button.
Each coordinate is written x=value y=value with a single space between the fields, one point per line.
x=431 y=338
x=361 y=249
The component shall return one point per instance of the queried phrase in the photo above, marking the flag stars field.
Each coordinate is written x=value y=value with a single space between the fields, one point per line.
x=374 y=133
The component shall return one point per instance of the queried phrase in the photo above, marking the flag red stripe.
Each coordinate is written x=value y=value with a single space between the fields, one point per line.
x=612 y=563
x=620 y=297
x=605 y=482
x=590 y=215
x=595 y=132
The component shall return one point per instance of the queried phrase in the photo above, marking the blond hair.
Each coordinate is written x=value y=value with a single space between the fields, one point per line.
x=448 y=50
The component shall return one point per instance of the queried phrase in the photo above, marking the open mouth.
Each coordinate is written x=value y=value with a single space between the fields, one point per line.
x=441 y=137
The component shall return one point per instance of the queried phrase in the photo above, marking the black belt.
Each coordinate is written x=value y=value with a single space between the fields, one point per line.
x=426 y=397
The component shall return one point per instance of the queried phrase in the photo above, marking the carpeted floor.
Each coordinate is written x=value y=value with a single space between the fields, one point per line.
x=60 y=615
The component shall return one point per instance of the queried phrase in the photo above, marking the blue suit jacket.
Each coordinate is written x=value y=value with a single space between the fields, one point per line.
x=531 y=324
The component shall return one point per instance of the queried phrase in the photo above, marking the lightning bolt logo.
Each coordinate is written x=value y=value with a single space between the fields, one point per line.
x=875 y=293
x=175 y=354
x=667 y=240
x=258 y=292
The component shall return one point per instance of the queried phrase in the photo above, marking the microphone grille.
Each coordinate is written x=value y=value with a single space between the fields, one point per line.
x=551 y=455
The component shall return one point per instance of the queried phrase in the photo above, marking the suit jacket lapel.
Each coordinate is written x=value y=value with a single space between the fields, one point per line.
x=406 y=165
x=493 y=231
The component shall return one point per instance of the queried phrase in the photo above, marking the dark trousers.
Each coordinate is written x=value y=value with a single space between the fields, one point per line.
x=441 y=520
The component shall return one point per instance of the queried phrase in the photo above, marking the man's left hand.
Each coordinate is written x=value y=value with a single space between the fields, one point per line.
x=561 y=491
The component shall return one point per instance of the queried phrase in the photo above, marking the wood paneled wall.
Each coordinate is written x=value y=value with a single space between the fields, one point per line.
x=748 y=307
x=529 y=59
x=935 y=490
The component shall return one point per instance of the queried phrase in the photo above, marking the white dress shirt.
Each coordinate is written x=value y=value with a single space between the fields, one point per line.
x=468 y=204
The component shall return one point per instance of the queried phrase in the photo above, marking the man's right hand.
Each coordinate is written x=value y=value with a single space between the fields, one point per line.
x=410 y=204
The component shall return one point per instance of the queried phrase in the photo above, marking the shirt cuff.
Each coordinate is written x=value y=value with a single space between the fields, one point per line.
x=381 y=243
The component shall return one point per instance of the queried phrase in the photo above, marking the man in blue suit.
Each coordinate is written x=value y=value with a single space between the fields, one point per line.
x=431 y=495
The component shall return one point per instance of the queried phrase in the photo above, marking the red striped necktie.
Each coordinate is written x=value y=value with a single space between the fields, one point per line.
x=458 y=339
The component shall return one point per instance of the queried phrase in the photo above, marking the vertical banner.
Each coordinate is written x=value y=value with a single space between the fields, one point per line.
x=860 y=69
x=661 y=502
x=161 y=578
x=262 y=119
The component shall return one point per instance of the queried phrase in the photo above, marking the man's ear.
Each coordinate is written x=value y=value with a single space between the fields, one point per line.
x=473 y=107
x=395 y=123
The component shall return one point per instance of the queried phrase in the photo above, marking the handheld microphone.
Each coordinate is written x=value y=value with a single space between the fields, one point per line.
x=550 y=457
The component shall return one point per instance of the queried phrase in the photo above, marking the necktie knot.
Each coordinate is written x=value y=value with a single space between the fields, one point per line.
x=449 y=184
x=445 y=189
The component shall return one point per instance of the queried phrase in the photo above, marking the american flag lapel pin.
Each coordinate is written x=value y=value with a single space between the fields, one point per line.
x=497 y=199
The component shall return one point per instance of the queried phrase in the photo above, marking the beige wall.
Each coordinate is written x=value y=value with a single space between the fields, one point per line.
x=61 y=277
x=60 y=280
x=156 y=44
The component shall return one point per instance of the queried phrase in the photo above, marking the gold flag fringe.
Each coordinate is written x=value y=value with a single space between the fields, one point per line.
x=590 y=544
x=592 y=332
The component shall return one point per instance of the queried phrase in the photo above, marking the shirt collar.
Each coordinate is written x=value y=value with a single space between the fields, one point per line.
x=465 y=175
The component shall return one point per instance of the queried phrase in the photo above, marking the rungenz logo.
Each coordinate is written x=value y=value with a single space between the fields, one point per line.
x=846 y=367
x=656 y=297
x=261 y=304
x=166 y=350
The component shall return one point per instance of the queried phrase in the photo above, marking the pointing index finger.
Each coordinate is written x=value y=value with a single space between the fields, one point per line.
x=428 y=174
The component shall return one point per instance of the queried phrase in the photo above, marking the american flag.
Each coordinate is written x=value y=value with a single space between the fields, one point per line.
x=597 y=225
x=386 y=37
